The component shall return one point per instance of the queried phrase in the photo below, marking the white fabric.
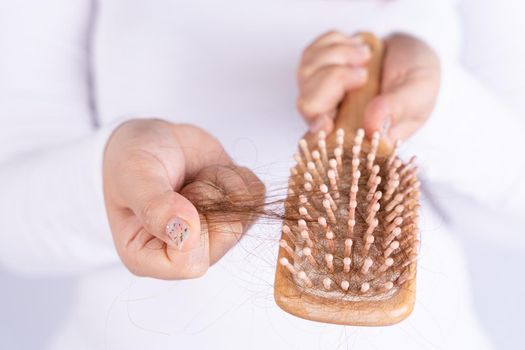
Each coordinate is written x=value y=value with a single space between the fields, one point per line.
x=232 y=307
x=227 y=66
x=494 y=47
x=51 y=202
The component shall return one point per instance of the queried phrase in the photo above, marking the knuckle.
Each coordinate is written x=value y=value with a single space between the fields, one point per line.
x=147 y=210
x=305 y=56
x=194 y=270
x=150 y=213
x=133 y=266
x=136 y=271
x=303 y=73
x=348 y=54
x=336 y=73
x=332 y=34
x=339 y=49
x=193 y=129
x=257 y=186
x=254 y=188
x=381 y=104
x=304 y=107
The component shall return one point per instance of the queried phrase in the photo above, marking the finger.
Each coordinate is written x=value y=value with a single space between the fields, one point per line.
x=399 y=112
x=410 y=85
x=245 y=190
x=331 y=38
x=335 y=54
x=230 y=198
x=404 y=130
x=226 y=229
x=146 y=255
x=324 y=122
x=224 y=235
x=379 y=114
x=200 y=149
x=324 y=90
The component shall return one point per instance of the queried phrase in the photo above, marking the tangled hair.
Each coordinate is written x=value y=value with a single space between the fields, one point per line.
x=220 y=204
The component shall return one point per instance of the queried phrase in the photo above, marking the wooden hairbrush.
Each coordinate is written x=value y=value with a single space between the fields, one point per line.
x=350 y=239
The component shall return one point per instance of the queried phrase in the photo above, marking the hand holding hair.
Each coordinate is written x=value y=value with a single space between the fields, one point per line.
x=333 y=65
x=156 y=177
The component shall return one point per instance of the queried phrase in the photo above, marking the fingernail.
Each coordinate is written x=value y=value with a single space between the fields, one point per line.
x=178 y=231
x=386 y=126
x=360 y=72
x=385 y=130
x=357 y=39
x=363 y=49
x=319 y=123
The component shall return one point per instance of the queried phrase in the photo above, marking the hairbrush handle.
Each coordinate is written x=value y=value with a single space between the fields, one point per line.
x=352 y=109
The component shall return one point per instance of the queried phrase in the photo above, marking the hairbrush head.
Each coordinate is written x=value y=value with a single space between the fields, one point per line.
x=355 y=241
x=352 y=219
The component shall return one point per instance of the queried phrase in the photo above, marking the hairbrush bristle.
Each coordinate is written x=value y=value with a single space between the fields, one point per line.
x=355 y=235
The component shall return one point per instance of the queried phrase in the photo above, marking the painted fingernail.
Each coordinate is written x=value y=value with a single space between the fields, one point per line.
x=363 y=49
x=178 y=231
x=360 y=72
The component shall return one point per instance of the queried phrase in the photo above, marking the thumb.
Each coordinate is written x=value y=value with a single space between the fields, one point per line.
x=173 y=219
x=164 y=213
x=382 y=113
x=167 y=243
x=168 y=216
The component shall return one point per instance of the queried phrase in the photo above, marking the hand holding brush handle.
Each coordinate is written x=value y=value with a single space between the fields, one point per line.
x=334 y=64
x=350 y=236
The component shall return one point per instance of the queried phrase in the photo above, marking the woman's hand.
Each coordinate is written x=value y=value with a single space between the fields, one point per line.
x=155 y=175
x=333 y=65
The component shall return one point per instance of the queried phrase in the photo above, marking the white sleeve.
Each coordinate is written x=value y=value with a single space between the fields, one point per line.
x=52 y=216
x=435 y=22
x=473 y=142
x=494 y=49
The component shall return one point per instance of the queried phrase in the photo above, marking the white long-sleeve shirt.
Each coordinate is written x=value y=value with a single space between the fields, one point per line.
x=52 y=211
x=65 y=72
x=69 y=70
